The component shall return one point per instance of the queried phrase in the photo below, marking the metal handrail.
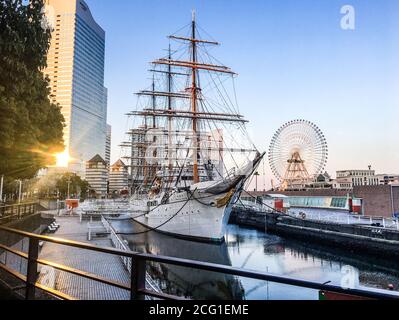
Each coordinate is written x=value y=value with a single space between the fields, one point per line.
x=138 y=272
x=119 y=244
x=17 y=204
x=17 y=211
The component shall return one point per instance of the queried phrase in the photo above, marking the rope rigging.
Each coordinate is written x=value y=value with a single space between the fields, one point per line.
x=196 y=57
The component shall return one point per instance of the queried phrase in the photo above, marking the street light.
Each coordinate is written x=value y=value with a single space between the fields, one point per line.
x=1 y=188
x=19 y=191
x=69 y=182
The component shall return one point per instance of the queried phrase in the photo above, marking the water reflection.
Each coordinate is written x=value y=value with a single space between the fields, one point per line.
x=256 y=250
x=179 y=280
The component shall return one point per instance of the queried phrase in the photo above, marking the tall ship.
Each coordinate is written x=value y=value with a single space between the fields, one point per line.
x=189 y=151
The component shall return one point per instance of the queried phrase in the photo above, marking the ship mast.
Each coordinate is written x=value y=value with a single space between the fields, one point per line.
x=170 y=119
x=194 y=89
x=193 y=95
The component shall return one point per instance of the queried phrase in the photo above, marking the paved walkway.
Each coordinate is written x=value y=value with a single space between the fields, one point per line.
x=105 y=265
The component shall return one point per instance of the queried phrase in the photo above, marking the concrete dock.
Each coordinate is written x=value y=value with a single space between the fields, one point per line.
x=104 y=265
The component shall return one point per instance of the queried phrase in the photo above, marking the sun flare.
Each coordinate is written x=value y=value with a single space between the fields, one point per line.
x=63 y=159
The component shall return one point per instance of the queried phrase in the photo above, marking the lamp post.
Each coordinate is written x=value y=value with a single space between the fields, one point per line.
x=69 y=183
x=1 y=187
x=19 y=191
x=58 y=202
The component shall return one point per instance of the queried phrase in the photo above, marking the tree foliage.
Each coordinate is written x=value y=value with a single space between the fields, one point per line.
x=77 y=186
x=30 y=125
x=55 y=185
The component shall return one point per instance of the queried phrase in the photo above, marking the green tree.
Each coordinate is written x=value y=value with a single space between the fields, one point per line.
x=46 y=186
x=30 y=125
x=77 y=186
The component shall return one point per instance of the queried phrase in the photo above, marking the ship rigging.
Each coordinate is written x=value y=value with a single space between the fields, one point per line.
x=188 y=143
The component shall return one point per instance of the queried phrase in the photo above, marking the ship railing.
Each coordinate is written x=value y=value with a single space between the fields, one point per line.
x=139 y=196
x=100 y=207
x=231 y=173
x=137 y=287
x=104 y=203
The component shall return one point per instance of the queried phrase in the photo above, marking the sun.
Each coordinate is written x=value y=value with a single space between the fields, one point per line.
x=63 y=159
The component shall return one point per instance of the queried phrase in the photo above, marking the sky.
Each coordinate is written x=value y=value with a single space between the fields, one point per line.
x=294 y=61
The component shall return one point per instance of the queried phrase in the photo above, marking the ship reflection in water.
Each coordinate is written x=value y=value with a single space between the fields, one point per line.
x=183 y=281
x=255 y=250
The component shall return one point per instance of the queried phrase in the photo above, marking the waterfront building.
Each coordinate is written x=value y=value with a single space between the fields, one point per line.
x=385 y=179
x=75 y=67
x=97 y=176
x=108 y=145
x=348 y=179
x=320 y=181
x=118 y=177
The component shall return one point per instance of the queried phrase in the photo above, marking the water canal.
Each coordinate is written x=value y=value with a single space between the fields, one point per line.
x=256 y=250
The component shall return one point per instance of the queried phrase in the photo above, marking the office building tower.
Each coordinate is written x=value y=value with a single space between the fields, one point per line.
x=108 y=145
x=75 y=66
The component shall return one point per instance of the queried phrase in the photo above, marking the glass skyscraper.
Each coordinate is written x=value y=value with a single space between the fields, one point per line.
x=76 y=71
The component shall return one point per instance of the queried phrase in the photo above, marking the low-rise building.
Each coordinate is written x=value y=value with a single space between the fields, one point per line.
x=118 y=177
x=388 y=179
x=347 y=179
x=320 y=181
x=97 y=176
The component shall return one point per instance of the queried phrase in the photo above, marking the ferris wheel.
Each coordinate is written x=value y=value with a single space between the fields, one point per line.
x=298 y=151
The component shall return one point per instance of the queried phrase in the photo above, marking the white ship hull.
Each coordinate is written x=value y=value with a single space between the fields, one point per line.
x=187 y=215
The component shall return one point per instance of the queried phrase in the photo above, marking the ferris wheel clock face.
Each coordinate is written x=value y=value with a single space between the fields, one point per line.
x=298 y=150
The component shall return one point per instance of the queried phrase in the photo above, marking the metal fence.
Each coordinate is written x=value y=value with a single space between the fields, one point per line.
x=348 y=219
x=139 y=262
x=13 y=212
x=127 y=262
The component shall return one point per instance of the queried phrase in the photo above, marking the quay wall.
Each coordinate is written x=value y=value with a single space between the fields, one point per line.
x=370 y=240
x=250 y=218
